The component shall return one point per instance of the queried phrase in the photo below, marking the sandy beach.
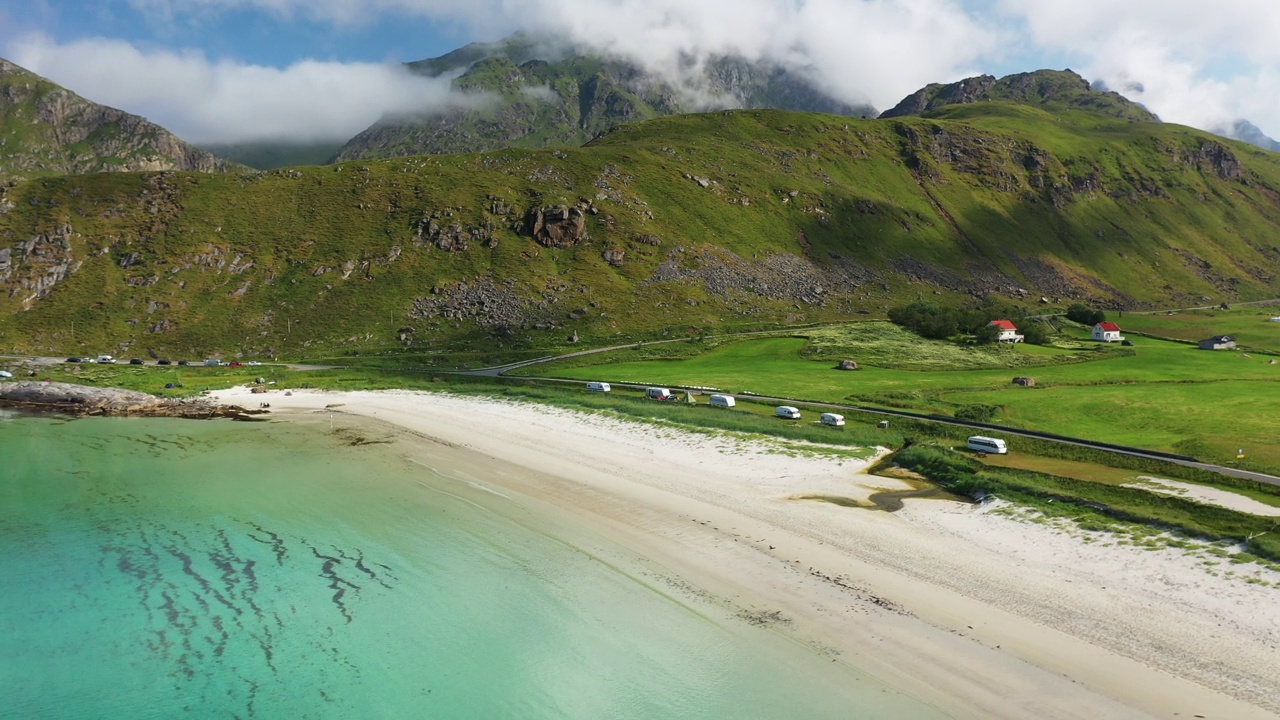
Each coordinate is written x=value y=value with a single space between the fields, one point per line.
x=979 y=613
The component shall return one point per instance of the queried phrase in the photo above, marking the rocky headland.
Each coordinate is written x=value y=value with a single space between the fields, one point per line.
x=71 y=399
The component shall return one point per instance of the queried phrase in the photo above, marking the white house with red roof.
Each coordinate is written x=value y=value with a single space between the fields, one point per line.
x=1107 y=332
x=1008 y=331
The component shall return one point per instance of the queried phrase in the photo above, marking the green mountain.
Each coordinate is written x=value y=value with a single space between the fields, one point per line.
x=686 y=223
x=48 y=130
x=524 y=94
x=1054 y=90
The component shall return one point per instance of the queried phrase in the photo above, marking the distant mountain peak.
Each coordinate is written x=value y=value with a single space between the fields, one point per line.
x=546 y=93
x=1049 y=89
x=46 y=129
x=1246 y=131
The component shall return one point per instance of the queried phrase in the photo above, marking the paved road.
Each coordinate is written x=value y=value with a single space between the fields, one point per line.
x=502 y=370
x=1003 y=430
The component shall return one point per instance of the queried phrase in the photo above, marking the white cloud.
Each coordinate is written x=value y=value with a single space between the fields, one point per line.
x=210 y=101
x=1197 y=64
x=877 y=50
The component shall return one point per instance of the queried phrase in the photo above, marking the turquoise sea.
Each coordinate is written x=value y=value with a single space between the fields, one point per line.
x=167 y=568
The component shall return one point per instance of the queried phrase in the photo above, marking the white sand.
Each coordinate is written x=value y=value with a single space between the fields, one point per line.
x=1207 y=495
x=979 y=614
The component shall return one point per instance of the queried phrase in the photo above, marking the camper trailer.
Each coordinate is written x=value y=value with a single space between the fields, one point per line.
x=832 y=419
x=598 y=387
x=725 y=401
x=658 y=393
x=978 y=443
x=787 y=412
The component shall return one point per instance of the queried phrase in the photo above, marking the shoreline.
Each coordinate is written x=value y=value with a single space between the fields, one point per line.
x=976 y=615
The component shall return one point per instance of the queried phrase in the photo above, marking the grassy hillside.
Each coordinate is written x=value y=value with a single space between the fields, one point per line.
x=686 y=224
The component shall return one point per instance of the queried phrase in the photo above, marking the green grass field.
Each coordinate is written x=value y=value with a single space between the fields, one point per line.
x=1250 y=324
x=1163 y=396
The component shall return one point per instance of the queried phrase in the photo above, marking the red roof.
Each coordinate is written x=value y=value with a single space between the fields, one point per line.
x=1109 y=326
x=1004 y=324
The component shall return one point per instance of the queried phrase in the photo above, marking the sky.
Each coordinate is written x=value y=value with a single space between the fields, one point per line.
x=220 y=71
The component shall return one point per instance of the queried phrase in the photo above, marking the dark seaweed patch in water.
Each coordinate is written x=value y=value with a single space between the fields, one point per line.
x=355 y=439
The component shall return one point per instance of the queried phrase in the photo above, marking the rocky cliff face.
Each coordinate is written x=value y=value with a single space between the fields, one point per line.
x=48 y=130
x=1050 y=89
x=541 y=96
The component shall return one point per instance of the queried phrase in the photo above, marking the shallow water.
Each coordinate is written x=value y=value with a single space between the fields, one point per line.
x=156 y=568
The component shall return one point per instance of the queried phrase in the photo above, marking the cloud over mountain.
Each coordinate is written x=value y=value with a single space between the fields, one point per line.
x=214 y=101
x=1198 y=65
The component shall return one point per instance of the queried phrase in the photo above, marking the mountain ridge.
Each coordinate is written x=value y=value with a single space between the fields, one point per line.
x=46 y=129
x=1050 y=89
x=683 y=224
x=542 y=95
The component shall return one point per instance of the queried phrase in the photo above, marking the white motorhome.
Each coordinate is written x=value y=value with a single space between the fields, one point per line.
x=598 y=387
x=105 y=359
x=657 y=393
x=832 y=419
x=787 y=412
x=721 y=401
x=978 y=443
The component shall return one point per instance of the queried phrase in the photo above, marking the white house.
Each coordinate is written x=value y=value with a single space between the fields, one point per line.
x=1107 y=332
x=1008 y=331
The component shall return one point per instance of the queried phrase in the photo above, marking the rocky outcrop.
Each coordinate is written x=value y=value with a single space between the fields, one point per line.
x=65 y=134
x=71 y=399
x=30 y=269
x=557 y=227
x=439 y=230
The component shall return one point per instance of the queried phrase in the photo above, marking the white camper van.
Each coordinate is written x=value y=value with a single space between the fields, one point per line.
x=787 y=412
x=105 y=359
x=832 y=419
x=721 y=401
x=598 y=387
x=657 y=393
x=978 y=443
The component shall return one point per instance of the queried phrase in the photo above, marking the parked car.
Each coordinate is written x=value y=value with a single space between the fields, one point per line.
x=1127 y=343
x=164 y=362
x=235 y=363
x=106 y=360
x=599 y=387
x=184 y=362
x=74 y=359
x=136 y=361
